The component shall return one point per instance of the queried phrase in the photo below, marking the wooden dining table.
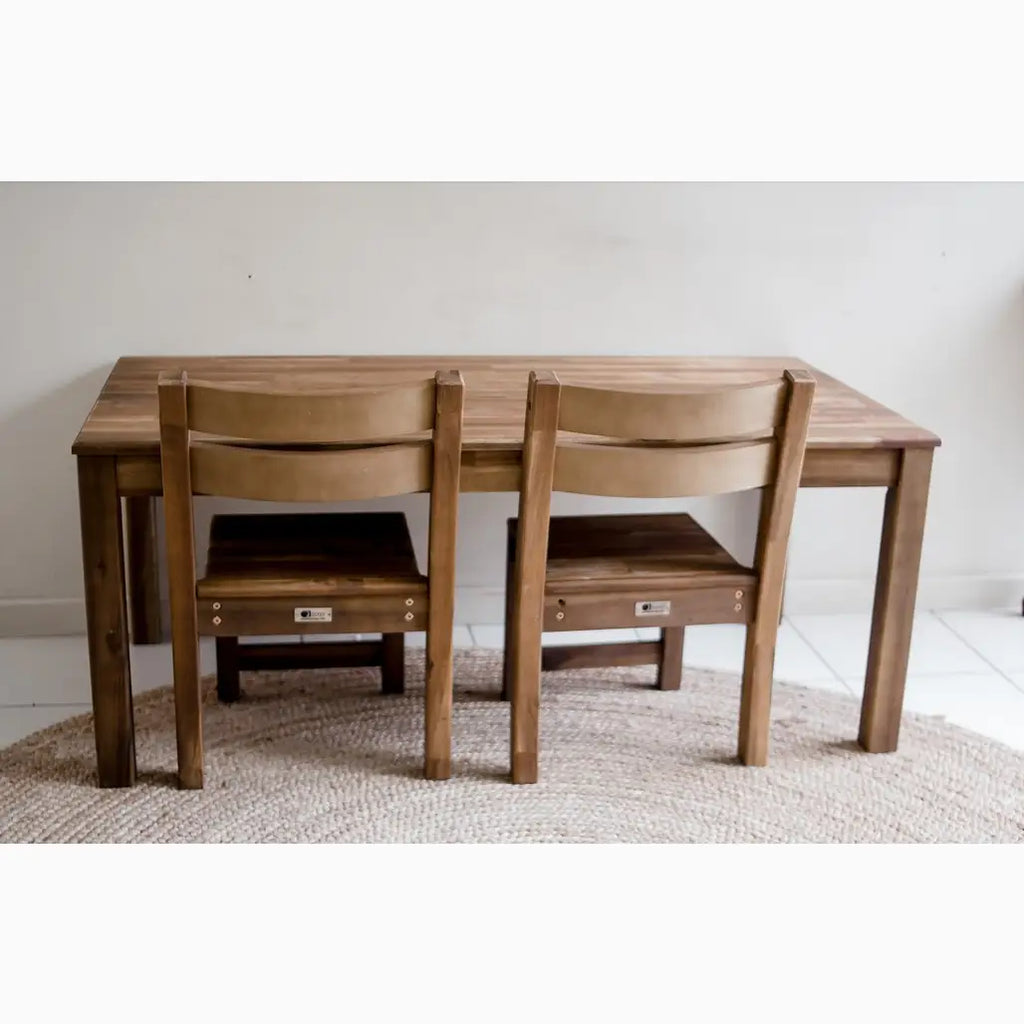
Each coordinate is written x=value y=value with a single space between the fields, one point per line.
x=853 y=441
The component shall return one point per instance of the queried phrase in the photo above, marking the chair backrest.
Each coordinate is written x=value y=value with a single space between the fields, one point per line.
x=661 y=445
x=299 y=446
x=308 y=446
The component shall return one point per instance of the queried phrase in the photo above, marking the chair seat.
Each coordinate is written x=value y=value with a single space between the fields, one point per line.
x=316 y=554
x=618 y=553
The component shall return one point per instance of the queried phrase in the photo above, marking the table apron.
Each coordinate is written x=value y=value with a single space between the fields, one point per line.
x=499 y=469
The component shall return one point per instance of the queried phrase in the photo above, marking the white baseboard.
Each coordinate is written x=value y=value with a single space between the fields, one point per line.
x=939 y=593
x=42 y=616
x=478 y=605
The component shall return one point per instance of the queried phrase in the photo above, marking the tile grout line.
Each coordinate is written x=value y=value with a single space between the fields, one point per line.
x=995 y=668
x=931 y=674
x=836 y=676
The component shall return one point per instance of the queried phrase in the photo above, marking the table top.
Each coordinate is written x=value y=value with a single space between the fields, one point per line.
x=123 y=420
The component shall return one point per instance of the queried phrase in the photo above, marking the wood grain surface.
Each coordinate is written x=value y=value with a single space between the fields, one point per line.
x=124 y=419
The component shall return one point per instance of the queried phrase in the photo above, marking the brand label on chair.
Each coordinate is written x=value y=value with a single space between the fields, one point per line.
x=645 y=608
x=313 y=614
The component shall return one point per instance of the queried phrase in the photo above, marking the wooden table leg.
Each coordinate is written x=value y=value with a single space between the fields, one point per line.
x=892 y=621
x=107 y=620
x=670 y=666
x=143 y=570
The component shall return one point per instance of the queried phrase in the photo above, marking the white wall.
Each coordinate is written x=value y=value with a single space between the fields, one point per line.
x=911 y=293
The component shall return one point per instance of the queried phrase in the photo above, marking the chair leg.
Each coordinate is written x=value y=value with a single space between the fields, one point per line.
x=523 y=656
x=670 y=669
x=392 y=666
x=506 y=663
x=438 y=710
x=188 y=713
x=525 y=708
x=228 y=687
x=756 y=695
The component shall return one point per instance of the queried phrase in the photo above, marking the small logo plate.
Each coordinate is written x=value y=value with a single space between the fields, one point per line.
x=313 y=614
x=643 y=609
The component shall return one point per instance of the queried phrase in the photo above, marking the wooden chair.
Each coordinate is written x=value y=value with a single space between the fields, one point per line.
x=310 y=573
x=598 y=572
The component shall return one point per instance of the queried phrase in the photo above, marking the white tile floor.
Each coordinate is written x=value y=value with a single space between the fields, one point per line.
x=966 y=666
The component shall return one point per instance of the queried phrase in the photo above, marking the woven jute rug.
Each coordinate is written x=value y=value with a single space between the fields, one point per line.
x=322 y=756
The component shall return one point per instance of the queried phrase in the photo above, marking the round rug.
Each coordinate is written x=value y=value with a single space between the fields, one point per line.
x=322 y=756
